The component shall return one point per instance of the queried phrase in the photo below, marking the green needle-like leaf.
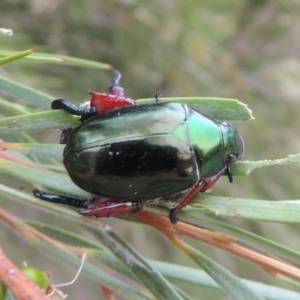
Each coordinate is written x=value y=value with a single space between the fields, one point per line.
x=40 y=150
x=246 y=167
x=29 y=95
x=143 y=271
x=55 y=119
x=216 y=108
x=63 y=59
x=45 y=178
x=287 y=211
x=16 y=56
x=247 y=238
x=232 y=285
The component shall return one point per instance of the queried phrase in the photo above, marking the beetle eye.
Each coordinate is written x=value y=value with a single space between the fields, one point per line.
x=231 y=158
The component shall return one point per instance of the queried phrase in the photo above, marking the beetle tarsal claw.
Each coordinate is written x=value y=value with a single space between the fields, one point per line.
x=172 y=215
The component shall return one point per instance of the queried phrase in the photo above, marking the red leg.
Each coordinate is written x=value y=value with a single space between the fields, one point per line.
x=113 y=208
x=209 y=183
x=200 y=186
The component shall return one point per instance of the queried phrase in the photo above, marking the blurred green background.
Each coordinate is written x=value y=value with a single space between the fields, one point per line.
x=247 y=50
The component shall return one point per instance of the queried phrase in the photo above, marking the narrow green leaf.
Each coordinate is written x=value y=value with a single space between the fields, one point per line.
x=66 y=60
x=79 y=62
x=15 y=108
x=54 y=119
x=28 y=95
x=68 y=237
x=40 y=150
x=21 y=196
x=45 y=178
x=287 y=211
x=143 y=271
x=198 y=277
x=247 y=238
x=216 y=108
x=233 y=286
x=246 y=167
x=16 y=56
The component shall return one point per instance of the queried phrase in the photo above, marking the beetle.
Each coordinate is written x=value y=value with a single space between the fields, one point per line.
x=132 y=155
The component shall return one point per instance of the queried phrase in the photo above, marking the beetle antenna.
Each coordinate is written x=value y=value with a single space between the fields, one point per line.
x=229 y=174
x=116 y=79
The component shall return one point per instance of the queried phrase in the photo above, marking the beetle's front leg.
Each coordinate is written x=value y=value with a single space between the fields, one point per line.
x=190 y=194
x=113 y=208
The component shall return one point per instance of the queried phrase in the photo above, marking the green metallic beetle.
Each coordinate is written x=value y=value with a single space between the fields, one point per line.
x=139 y=154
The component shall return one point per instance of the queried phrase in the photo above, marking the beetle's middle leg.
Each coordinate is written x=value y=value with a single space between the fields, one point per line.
x=95 y=207
x=184 y=200
x=190 y=194
x=113 y=208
